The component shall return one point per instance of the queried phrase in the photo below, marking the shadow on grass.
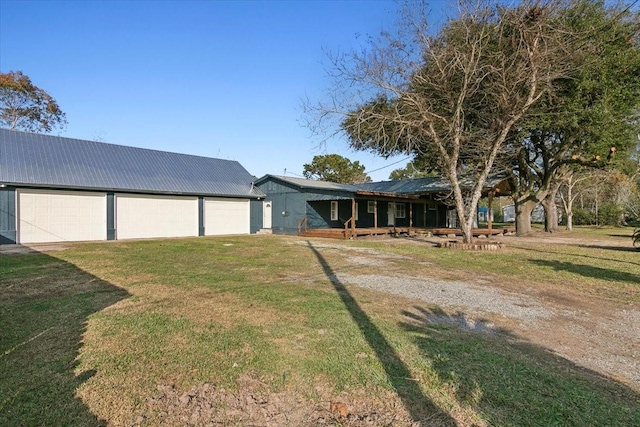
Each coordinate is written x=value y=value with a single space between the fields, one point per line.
x=588 y=270
x=419 y=406
x=599 y=258
x=44 y=307
x=511 y=382
x=611 y=248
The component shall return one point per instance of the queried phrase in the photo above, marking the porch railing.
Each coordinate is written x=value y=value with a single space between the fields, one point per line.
x=349 y=228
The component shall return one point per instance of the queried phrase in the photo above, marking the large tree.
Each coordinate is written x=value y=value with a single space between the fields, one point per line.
x=24 y=106
x=335 y=168
x=453 y=95
x=590 y=114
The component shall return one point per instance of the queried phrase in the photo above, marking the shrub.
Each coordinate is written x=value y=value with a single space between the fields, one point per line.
x=610 y=214
x=497 y=215
x=583 y=217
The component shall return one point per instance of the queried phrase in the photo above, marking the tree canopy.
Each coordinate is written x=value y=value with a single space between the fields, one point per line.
x=335 y=168
x=24 y=106
x=591 y=114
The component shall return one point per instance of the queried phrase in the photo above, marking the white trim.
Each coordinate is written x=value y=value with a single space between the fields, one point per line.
x=334 y=211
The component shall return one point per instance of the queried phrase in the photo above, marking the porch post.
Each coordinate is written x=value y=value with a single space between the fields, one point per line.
x=410 y=217
x=375 y=214
x=489 y=216
x=353 y=216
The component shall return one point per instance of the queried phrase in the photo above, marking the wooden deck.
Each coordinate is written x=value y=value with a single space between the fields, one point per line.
x=341 y=233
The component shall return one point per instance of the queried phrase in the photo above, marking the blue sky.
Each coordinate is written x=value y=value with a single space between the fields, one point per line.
x=219 y=79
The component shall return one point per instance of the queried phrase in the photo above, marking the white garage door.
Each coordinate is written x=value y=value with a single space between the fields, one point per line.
x=58 y=216
x=139 y=216
x=226 y=216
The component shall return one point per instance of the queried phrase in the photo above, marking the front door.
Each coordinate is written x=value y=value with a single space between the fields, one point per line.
x=391 y=214
x=266 y=214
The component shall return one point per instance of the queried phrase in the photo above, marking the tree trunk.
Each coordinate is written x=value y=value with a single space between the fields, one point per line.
x=550 y=213
x=467 y=230
x=523 y=217
x=568 y=204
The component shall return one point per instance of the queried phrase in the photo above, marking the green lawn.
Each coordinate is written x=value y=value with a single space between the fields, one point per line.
x=89 y=333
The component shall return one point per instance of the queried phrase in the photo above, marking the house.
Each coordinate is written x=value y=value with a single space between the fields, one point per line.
x=56 y=189
x=537 y=214
x=299 y=205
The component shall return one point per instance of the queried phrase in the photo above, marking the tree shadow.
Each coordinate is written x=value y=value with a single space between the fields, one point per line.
x=417 y=404
x=512 y=382
x=611 y=248
x=45 y=304
x=588 y=270
x=599 y=258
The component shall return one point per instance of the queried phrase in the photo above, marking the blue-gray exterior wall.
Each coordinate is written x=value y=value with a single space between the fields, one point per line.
x=111 y=216
x=291 y=204
x=255 y=215
x=7 y=215
x=287 y=210
x=201 y=231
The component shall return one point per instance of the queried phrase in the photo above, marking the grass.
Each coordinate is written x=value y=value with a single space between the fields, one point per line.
x=606 y=270
x=88 y=333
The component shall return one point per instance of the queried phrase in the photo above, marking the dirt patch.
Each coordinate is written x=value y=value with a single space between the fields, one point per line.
x=253 y=405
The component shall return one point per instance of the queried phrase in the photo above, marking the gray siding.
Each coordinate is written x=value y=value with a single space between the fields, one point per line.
x=293 y=199
x=289 y=206
x=255 y=215
x=111 y=217
x=7 y=215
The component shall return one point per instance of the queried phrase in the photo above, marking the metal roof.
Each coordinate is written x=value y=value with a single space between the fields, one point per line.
x=426 y=185
x=313 y=184
x=405 y=187
x=29 y=159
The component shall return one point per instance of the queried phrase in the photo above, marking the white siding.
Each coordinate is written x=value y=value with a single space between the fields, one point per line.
x=141 y=216
x=58 y=216
x=226 y=216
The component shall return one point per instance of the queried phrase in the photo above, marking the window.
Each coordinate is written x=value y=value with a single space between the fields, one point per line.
x=432 y=205
x=401 y=210
x=334 y=211
x=355 y=214
x=371 y=206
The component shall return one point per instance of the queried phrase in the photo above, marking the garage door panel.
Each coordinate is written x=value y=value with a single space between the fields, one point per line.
x=226 y=216
x=57 y=216
x=139 y=216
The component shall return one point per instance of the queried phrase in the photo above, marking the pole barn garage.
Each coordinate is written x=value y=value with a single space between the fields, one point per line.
x=55 y=189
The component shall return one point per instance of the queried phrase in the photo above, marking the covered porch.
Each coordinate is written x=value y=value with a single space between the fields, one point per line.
x=346 y=233
x=400 y=215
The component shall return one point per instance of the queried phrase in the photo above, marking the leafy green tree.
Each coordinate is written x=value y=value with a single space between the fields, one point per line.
x=335 y=168
x=590 y=115
x=24 y=106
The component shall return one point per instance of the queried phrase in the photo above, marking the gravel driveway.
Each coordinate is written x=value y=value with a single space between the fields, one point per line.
x=600 y=335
